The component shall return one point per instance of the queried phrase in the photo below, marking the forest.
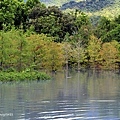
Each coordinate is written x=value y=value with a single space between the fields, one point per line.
x=36 y=37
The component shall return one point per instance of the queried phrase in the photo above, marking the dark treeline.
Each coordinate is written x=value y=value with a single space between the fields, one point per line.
x=34 y=36
x=50 y=21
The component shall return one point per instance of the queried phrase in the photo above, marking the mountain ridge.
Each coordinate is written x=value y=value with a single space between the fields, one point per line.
x=88 y=5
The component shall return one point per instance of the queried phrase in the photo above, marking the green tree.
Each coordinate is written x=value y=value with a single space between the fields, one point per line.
x=8 y=9
x=114 y=34
x=48 y=25
x=12 y=12
x=13 y=53
x=104 y=26
x=21 y=15
x=83 y=27
x=81 y=19
x=32 y=3
x=117 y=19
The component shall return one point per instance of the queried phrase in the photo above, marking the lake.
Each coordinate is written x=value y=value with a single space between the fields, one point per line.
x=84 y=95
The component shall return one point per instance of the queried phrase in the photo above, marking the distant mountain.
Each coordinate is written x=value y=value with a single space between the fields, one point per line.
x=88 y=5
x=107 y=8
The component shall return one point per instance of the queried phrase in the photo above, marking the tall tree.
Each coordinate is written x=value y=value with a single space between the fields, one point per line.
x=109 y=54
x=94 y=47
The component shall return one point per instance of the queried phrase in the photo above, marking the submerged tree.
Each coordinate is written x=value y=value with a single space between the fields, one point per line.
x=94 y=47
x=109 y=54
x=12 y=49
x=44 y=53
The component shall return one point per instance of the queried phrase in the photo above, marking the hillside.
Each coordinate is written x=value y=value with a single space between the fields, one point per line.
x=88 y=5
x=108 y=8
x=56 y=2
x=109 y=11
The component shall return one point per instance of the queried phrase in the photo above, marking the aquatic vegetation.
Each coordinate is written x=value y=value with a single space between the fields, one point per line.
x=23 y=76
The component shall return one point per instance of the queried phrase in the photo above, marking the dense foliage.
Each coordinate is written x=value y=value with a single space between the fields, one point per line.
x=36 y=37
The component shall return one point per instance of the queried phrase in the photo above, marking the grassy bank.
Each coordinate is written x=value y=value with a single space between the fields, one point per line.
x=23 y=76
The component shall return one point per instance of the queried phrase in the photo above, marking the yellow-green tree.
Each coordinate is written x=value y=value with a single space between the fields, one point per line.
x=94 y=47
x=35 y=44
x=54 y=58
x=109 y=54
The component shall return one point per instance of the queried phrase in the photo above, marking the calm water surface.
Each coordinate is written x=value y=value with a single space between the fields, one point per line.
x=88 y=95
